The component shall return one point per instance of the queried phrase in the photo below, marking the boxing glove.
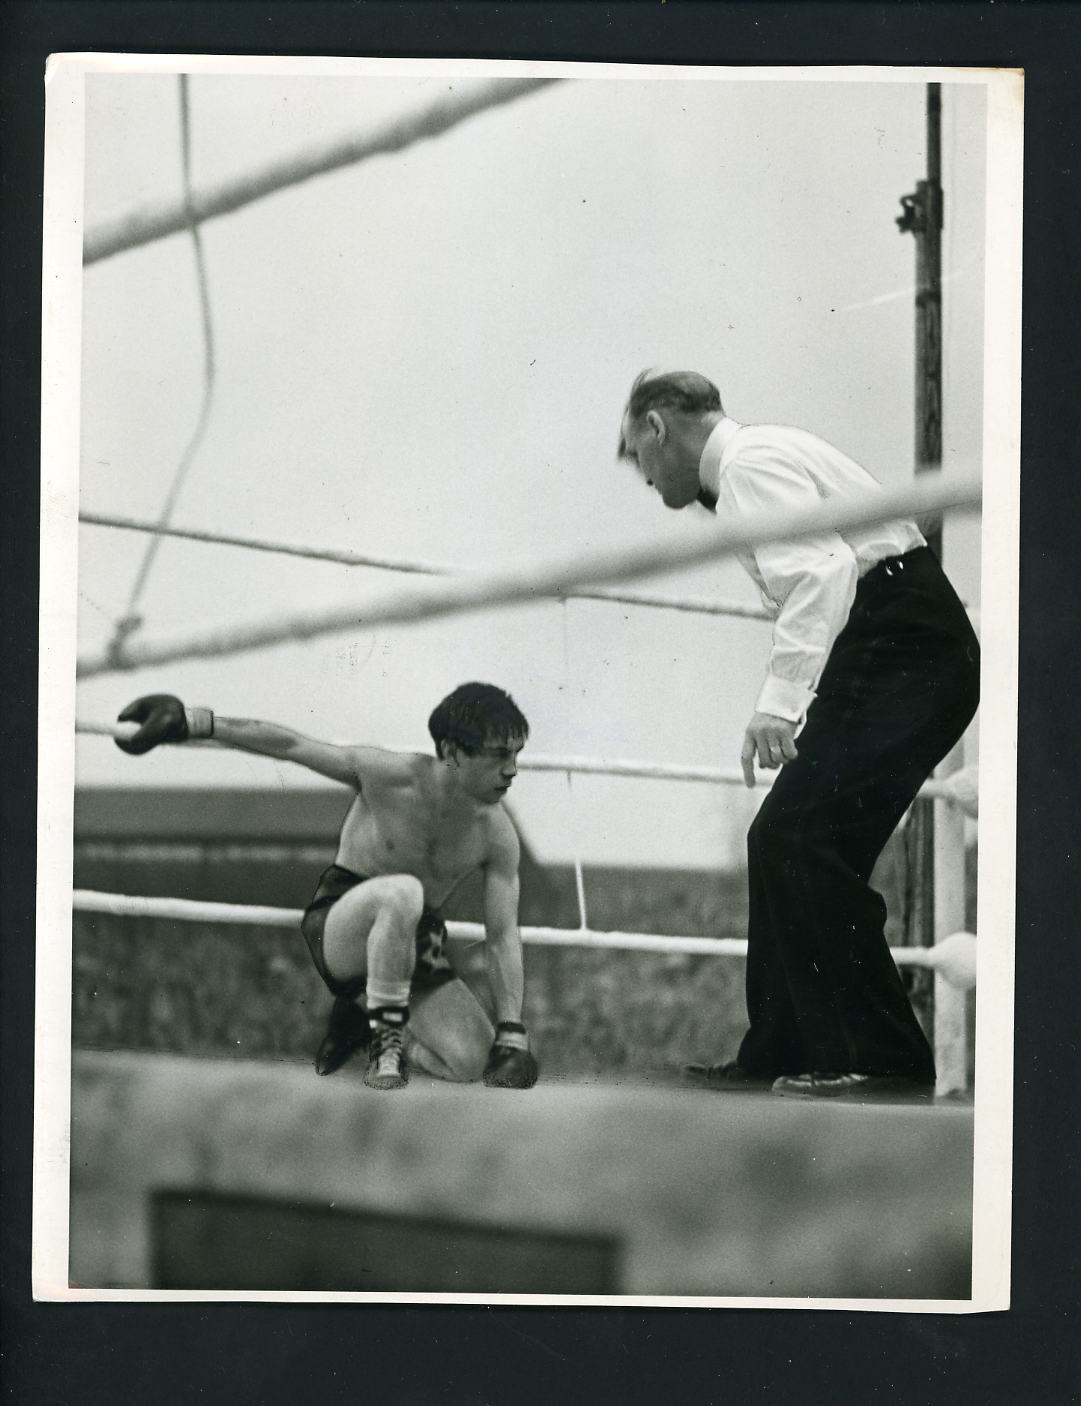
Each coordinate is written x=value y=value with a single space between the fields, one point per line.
x=162 y=718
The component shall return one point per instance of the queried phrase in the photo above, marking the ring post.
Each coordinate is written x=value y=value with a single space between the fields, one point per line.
x=950 y=1004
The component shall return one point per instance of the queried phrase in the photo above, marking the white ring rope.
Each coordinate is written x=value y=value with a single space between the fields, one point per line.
x=959 y=787
x=952 y=957
x=142 y=226
x=701 y=605
x=130 y=621
x=932 y=493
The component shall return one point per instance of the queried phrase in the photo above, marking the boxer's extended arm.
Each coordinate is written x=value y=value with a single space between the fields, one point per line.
x=510 y=1063
x=164 y=718
x=286 y=745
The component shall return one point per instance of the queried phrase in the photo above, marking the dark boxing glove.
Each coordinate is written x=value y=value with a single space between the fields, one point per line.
x=162 y=718
x=510 y=1065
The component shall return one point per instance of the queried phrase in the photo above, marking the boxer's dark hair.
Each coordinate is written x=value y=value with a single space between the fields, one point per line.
x=688 y=391
x=475 y=714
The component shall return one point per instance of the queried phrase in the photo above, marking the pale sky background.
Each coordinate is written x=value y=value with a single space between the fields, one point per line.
x=427 y=355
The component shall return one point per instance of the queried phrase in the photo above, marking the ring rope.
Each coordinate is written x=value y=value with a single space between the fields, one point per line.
x=131 y=620
x=143 y=226
x=701 y=605
x=932 y=493
x=242 y=915
x=959 y=787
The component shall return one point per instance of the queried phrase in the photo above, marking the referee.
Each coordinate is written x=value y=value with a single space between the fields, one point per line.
x=873 y=676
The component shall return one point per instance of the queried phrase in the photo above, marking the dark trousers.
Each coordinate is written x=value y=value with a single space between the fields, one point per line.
x=899 y=688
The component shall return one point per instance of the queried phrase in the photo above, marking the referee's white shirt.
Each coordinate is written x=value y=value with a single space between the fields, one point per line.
x=808 y=586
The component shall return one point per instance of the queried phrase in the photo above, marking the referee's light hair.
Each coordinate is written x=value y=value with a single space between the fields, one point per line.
x=474 y=714
x=655 y=389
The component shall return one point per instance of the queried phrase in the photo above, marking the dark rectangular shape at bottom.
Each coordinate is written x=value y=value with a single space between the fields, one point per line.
x=204 y=1240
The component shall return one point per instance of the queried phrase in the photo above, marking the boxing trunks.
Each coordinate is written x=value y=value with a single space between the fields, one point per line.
x=431 y=969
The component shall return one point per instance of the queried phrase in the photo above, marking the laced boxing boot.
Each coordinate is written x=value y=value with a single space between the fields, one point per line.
x=386 y=1062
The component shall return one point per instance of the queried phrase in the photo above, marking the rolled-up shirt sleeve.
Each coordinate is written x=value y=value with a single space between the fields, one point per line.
x=809 y=584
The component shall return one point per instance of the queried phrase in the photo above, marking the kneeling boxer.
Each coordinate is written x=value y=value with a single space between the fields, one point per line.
x=417 y=827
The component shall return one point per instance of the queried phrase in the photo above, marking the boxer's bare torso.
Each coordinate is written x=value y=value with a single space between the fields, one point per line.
x=414 y=814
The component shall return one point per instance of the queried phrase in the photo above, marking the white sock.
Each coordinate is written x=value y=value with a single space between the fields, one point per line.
x=380 y=994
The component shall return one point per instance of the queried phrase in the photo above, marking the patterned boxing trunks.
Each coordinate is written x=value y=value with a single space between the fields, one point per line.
x=432 y=968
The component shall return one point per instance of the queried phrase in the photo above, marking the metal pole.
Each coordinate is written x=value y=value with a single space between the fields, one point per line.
x=922 y=217
x=937 y=854
x=929 y=307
